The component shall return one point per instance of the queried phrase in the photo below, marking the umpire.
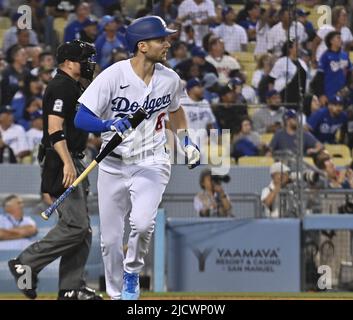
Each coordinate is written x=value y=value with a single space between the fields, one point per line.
x=63 y=147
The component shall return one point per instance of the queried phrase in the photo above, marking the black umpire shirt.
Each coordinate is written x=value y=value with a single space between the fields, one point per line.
x=60 y=99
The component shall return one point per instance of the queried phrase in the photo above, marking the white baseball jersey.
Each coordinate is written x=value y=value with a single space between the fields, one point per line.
x=224 y=66
x=118 y=91
x=277 y=36
x=234 y=36
x=198 y=115
x=15 y=137
x=197 y=12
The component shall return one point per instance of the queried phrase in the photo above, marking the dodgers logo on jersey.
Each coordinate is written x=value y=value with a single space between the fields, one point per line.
x=124 y=105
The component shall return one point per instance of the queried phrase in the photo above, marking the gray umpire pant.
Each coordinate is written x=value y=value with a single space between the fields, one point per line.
x=70 y=239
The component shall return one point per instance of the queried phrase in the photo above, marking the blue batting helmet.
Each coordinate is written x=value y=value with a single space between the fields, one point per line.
x=145 y=28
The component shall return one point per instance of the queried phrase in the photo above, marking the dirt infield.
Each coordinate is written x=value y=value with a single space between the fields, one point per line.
x=213 y=296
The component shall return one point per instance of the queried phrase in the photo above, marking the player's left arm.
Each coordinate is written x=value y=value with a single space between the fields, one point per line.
x=179 y=126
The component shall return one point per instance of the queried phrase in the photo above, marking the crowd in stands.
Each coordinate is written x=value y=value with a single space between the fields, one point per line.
x=231 y=57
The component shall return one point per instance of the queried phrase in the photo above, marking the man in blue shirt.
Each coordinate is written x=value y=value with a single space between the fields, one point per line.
x=287 y=139
x=325 y=122
x=72 y=31
x=334 y=69
x=15 y=229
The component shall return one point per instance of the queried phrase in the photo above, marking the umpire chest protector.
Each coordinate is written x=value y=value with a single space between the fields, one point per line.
x=60 y=99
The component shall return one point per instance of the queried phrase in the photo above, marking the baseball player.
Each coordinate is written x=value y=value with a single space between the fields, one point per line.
x=134 y=176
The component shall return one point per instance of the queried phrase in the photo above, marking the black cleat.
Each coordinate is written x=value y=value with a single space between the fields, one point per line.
x=84 y=293
x=17 y=269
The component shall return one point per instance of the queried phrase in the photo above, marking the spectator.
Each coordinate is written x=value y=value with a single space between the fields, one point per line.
x=15 y=74
x=46 y=61
x=339 y=24
x=179 y=53
x=10 y=36
x=15 y=229
x=286 y=139
x=236 y=84
x=165 y=9
x=302 y=17
x=270 y=195
x=228 y=113
x=199 y=14
x=35 y=133
x=242 y=91
x=72 y=30
x=110 y=39
x=211 y=88
x=212 y=201
x=249 y=18
x=33 y=54
x=234 y=36
x=269 y=118
x=335 y=179
x=263 y=69
x=33 y=89
x=325 y=122
x=199 y=116
x=89 y=31
x=334 y=70
x=196 y=66
x=289 y=74
x=224 y=64
x=13 y=134
x=278 y=34
x=246 y=142
x=263 y=27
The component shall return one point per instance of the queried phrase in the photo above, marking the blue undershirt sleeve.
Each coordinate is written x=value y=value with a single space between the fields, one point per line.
x=86 y=120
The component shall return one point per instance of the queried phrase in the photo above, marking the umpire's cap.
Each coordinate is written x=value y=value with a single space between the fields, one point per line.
x=146 y=28
x=76 y=51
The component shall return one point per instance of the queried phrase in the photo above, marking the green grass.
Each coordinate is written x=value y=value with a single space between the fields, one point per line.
x=211 y=296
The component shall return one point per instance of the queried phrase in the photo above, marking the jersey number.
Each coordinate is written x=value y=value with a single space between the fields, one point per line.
x=160 y=121
x=58 y=105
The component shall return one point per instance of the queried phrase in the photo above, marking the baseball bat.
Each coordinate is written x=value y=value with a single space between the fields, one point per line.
x=135 y=119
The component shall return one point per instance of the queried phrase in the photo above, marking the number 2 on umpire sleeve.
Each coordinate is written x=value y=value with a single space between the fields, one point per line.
x=160 y=121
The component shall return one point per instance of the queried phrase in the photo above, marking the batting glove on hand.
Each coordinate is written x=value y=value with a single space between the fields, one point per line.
x=192 y=153
x=121 y=126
